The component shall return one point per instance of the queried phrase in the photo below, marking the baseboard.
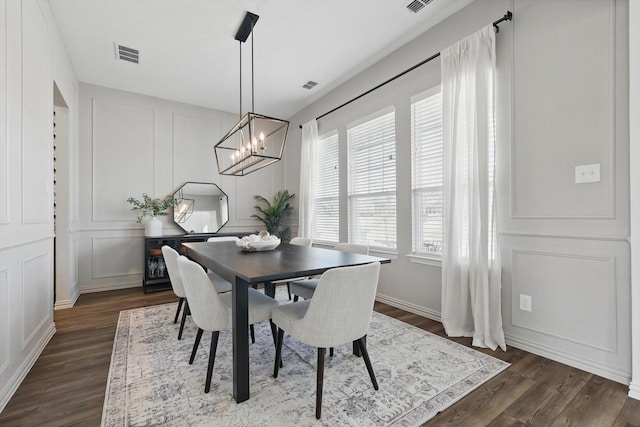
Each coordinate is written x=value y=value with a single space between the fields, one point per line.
x=634 y=391
x=101 y=287
x=26 y=366
x=571 y=360
x=411 y=308
x=68 y=303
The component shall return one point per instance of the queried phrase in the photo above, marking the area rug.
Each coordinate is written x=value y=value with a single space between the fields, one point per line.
x=151 y=382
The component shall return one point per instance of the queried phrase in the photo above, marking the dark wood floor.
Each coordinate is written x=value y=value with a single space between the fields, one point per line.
x=66 y=385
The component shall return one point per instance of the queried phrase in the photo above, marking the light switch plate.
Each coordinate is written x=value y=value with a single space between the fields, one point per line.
x=588 y=173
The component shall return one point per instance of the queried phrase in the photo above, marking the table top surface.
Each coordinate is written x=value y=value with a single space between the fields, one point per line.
x=284 y=262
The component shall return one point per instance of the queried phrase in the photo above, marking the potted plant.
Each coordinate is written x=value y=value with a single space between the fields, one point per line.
x=273 y=214
x=152 y=208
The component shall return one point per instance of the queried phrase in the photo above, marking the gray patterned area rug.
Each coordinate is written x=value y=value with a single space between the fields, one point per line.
x=151 y=382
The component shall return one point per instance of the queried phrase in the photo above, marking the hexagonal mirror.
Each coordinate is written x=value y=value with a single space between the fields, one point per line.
x=201 y=207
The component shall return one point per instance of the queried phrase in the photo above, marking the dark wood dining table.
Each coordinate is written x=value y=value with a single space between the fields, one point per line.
x=244 y=269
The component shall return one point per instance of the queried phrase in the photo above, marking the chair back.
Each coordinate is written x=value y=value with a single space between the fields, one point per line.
x=300 y=241
x=207 y=309
x=223 y=239
x=353 y=247
x=341 y=307
x=170 y=256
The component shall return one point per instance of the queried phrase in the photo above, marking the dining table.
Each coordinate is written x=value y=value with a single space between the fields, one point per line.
x=248 y=268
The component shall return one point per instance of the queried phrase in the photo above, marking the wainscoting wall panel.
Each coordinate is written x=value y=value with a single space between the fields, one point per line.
x=115 y=256
x=4 y=146
x=580 y=307
x=581 y=289
x=37 y=294
x=545 y=156
x=193 y=155
x=117 y=128
x=37 y=158
x=153 y=146
x=4 y=317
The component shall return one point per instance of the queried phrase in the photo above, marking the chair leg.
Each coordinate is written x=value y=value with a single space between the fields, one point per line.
x=195 y=346
x=331 y=352
x=320 y=381
x=178 y=310
x=289 y=290
x=185 y=313
x=295 y=298
x=253 y=334
x=274 y=333
x=278 y=360
x=212 y=358
x=365 y=355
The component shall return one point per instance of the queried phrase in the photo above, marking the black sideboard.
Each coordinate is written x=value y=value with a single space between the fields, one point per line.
x=155 y=277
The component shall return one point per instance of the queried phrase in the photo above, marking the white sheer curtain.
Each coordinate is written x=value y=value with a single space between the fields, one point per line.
x=306 y=195
x=471 y=278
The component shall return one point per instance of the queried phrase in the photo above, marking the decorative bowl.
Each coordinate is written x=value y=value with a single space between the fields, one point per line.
x=258 y=245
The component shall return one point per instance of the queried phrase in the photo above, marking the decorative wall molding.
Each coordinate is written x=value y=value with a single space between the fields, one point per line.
x=564 y=236
x=612 y=166
x=611 y=336
x=4 y=146
x=36 y=276
x=109 y=248
x=138 y=163
x=36 y=162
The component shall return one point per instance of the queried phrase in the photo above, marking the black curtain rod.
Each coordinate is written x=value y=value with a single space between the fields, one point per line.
x=507 y=17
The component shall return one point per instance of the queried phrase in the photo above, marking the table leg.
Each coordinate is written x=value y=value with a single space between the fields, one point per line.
x=240 y=316
x=270 y=289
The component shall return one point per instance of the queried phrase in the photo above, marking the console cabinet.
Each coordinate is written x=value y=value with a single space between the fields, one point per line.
x=156 y=277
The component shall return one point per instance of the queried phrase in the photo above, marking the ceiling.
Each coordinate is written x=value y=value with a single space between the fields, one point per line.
x=188 y=52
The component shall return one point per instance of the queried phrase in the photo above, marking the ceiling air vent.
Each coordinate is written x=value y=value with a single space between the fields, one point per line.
x=127 y=54
x=310 y=85
x=417 y=5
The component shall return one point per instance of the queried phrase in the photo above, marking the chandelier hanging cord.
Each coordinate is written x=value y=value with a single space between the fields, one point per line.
x=256 y=140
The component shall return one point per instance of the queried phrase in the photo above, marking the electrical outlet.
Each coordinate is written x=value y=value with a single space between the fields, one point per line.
x=525 y=302
x=588 y=173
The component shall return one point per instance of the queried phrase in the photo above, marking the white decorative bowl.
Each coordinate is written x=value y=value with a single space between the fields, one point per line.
x=259 y=245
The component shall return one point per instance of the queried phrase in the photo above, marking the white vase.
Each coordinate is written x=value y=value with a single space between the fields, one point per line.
x=153 y=227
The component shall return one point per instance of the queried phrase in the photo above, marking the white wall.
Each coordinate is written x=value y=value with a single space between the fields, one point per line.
x=132 y=144
x=562 y=102
x=31 y=55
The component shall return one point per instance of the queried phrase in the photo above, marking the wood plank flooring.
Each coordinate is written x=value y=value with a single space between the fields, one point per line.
x=66 y=385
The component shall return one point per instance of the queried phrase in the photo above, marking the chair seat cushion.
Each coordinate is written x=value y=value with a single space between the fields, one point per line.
x=219 y=283
x=288 y=316
x=260 y=305
x=304 y=288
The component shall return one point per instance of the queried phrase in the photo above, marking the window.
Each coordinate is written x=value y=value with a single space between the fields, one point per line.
x=426 y=173
x=371 y=150
x=325 y=218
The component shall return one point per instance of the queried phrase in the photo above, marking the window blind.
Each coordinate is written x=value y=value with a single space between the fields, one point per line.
x=326 y=216
x=371 y=155
x=426 y=174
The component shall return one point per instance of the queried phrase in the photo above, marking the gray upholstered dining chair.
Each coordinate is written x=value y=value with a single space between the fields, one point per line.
x=222 y=285
x=305 y=288
x=338 y=313
x=211 y=311
x=170 y=256
x=298 y=241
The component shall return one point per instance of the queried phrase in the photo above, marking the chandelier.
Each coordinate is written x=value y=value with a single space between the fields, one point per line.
x=256 y=140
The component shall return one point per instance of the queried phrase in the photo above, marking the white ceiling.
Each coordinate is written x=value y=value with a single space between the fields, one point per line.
x=188 y=52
